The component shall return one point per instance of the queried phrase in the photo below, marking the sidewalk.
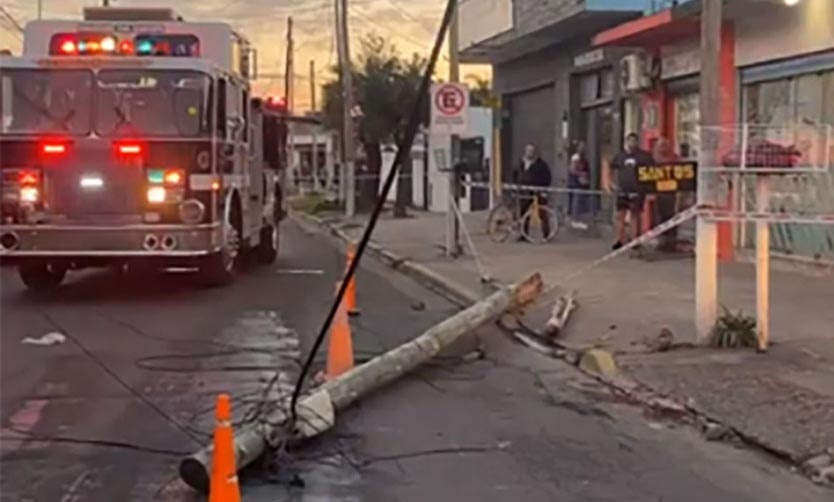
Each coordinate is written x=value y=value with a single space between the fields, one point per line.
x=783 y=400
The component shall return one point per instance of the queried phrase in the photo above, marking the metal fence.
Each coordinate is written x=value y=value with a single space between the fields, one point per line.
x=797 y=162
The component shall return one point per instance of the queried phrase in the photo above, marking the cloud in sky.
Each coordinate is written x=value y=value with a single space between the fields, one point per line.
x=409 y=24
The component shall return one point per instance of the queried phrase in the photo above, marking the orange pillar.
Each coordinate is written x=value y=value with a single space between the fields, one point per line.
x=729 y=101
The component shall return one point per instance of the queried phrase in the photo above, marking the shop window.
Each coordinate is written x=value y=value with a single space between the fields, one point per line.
x=687 y=118
x=809 y=99
x=607 y=84
x=589 y=88
x=828 y=99
x=769 y=103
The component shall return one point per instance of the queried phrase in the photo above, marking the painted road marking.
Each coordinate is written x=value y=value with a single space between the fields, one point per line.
x=300 y=271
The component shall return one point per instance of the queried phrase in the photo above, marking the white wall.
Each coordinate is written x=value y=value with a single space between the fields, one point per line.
x=482 y=19
x=480 y=124
x=776 y=31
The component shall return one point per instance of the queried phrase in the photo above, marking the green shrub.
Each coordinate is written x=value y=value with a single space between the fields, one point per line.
x=734 y=331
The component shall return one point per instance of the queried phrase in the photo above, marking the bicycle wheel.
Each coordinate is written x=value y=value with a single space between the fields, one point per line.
x=533 y=227
x=500 y=224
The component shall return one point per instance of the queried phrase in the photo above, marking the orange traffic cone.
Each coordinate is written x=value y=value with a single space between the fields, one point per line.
x=224 y=486
x=340 y=349
x=350 y=294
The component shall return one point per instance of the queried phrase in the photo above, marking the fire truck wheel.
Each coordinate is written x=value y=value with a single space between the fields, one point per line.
x=267 y=249
x=219 y=268
x=41 y=276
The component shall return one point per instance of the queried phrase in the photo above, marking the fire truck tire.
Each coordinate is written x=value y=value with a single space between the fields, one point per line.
x=219 y=269
x=267 y=250
x=41 y=276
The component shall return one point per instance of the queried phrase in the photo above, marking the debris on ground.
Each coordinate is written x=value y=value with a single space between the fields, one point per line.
x=820 y=468
x=46 y=340
x=559 y=316
x=714 y=431
x=663 y=342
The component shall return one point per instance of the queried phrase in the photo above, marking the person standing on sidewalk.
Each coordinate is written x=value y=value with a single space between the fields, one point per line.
x=666 y=203
x=579 y=178
x=533 y=171
x=624 y=177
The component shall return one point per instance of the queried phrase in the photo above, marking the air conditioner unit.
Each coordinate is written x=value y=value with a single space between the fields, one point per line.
x=635 y=71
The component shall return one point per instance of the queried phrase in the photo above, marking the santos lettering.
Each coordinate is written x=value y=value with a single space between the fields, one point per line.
x=667 y=177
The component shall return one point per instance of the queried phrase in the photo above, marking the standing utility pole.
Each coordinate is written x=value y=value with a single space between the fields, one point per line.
x=346 y=71
x=706 y=257
x=289 y=77
x=452 y=230
x=314 y=164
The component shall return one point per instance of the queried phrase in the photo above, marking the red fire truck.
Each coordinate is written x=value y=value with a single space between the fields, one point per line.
x=131 y=139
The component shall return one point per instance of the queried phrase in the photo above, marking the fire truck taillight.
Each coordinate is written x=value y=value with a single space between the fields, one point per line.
x=53 y=148
x=28 y=178
x=129 y=149
x=29 y=185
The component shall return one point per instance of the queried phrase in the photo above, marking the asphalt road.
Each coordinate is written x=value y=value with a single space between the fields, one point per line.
x=140 y=365
x=145 y=357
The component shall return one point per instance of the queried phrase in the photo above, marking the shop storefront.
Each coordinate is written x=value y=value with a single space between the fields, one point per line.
x=596 y=120
x=667 y=106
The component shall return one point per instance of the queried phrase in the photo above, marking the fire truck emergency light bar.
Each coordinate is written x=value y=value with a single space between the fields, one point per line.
x=105 y=44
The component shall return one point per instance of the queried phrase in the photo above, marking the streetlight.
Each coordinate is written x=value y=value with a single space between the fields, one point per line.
x=791 y=3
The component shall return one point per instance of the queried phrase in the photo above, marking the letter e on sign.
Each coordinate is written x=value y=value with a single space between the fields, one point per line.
x=449 y=107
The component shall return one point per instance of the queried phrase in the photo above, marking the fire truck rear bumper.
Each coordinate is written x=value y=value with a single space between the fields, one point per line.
x=125 y=241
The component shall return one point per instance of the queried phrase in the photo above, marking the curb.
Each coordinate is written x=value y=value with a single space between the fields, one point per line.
x=599 y=364
x=450 y=290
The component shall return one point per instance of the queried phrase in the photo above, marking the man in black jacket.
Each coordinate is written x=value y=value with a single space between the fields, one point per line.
x=533 y=171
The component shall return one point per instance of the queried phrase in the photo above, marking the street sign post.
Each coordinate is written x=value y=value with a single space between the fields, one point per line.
x=449 y=104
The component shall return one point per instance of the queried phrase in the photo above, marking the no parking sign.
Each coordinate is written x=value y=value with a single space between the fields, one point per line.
x=449 y=104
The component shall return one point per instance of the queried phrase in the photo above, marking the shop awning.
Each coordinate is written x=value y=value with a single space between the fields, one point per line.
x=664 y=27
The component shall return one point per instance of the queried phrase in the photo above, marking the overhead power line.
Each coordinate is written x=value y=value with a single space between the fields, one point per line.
x=397 y=34
x=11 y=19
x=409 y=16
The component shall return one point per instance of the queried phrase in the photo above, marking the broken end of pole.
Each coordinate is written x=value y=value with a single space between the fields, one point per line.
x=195 y=474
x=526 y=291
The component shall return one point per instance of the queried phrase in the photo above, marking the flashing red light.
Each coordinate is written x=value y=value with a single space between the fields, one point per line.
x=126 y=47
x=28 y=178
x=130 y=149
x=276 y=102
x=68 y=47
x=54 y=148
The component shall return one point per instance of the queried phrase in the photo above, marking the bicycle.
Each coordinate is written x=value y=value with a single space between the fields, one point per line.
x=504 y=220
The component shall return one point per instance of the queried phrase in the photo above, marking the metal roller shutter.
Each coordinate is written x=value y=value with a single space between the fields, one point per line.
x=532 y=120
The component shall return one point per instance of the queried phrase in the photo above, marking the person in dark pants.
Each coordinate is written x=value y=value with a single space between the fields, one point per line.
x=624 y=176
x=533 y=171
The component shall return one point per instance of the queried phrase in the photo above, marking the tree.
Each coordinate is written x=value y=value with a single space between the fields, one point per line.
x=385 y=87
x=480 y=91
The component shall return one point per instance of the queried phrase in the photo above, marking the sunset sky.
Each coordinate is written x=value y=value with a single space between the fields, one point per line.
x=409 y=24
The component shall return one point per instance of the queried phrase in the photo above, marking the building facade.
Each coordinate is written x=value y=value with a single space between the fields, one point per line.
x=552 y=86
x=777 y=70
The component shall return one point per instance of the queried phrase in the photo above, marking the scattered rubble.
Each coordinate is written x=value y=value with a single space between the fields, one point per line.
x=714 y=431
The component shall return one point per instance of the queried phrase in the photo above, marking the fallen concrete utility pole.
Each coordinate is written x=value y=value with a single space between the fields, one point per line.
x=316 y=411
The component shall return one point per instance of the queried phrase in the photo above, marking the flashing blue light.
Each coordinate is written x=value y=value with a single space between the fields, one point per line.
x=144 y=47
x=82 y=46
